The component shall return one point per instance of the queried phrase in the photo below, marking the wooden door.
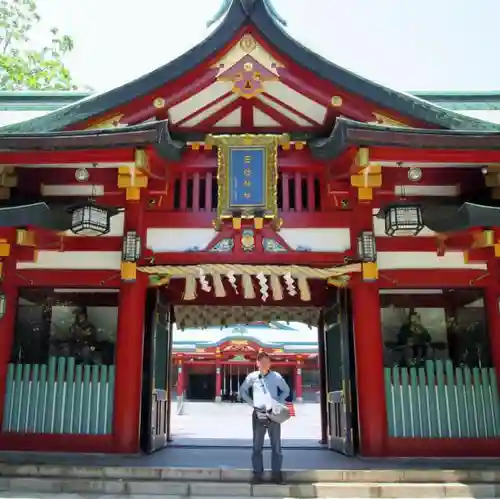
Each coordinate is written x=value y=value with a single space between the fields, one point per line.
x=157 y=375
x=339 y=367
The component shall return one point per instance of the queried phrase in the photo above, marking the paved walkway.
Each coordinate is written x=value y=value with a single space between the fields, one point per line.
x=225 y=424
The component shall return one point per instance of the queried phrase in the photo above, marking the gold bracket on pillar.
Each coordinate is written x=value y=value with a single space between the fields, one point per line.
x=483 y=239
x=4 y=253
x=129 y=271
x=369 y=271
x=8 y=179
x=366 y=176
x=134 y=179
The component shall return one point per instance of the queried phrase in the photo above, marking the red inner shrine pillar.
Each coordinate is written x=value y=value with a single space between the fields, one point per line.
x=369 y=355
x=298 y=382
x=218 y=382
x=129 y=347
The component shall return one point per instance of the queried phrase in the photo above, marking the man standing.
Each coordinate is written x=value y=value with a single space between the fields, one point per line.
x=267 y=386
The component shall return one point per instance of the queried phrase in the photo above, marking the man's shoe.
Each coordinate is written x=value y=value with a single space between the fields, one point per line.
x=257 y=479
x=278 y=479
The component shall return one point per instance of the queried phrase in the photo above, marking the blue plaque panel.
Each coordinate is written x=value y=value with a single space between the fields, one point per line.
x=247 y=182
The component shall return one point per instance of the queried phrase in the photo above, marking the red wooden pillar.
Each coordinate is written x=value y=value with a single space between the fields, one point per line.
x=298 y=382
x=7 y=322
x=129 y=346
x=218 y=382
x=369 y=354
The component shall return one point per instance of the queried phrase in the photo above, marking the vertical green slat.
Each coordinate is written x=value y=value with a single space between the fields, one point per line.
x=110 y=400
x=443 y=426
x=51 y=396
x=94 y=401
x=16 y=403
x=60 y=395
x=476 y=379
x=86 y=401
x=34 y=396
x=451 y=389
x=471 y=406
x=25 y=399
x=487 y=401
x=9 y=392
x=432 y=399
x=389 y=402
x=406 y=403
x=398 y=406
x=415 y=404
x=462 y=408
x=423 y=403
x=69 y=412
x=495 y=401
x=41 y=411
x=103 y=400
x=77 y=420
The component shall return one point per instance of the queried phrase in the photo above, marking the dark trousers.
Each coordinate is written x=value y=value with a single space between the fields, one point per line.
x=260 y=429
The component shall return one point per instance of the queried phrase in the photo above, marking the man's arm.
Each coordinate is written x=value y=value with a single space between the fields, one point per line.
x=284 y=389
x=244 y=390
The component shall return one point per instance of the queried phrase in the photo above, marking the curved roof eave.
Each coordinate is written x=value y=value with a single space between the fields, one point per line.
x=238 y=15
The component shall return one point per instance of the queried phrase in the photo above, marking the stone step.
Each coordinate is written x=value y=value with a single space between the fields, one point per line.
x=344 y=490
x=481 y=474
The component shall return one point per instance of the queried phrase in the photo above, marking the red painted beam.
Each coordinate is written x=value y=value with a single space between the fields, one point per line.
x=290 y=108
x=378 y=153
x=42 y=158
x=434 y=278
x=102 y=444
x=333 y=219
x=201 y=109
x=67 y=278
x=295 y=258
x=443 y=447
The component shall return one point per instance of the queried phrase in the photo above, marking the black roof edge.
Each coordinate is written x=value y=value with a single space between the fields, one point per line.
x=155 y=133
x=338 y=141
x=256 y=12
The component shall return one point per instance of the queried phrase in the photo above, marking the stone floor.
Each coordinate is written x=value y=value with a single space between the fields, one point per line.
x=229 y=425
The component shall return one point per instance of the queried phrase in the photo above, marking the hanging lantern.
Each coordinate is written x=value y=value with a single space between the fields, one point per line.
x=367 y=251
x=131 y=250
x=90 y=219
x=403 y=220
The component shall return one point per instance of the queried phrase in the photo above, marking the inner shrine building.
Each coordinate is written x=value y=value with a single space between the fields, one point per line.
x=251 y=181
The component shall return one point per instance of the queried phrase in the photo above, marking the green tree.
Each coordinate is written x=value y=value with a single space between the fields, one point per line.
x=23 y=67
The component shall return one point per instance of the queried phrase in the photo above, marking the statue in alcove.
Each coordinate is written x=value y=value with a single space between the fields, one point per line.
x=83 y=336
x=414 y=340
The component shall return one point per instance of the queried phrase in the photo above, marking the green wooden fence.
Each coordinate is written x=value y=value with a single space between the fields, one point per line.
x=61 y=397
x=442 y=401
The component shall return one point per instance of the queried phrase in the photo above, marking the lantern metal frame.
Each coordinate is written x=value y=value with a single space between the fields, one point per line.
x=403 y=219
x=366 y=248
x=131 y=249
x=91 y=219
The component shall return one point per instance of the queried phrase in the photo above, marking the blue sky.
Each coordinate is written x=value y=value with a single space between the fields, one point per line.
x=404 y=44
